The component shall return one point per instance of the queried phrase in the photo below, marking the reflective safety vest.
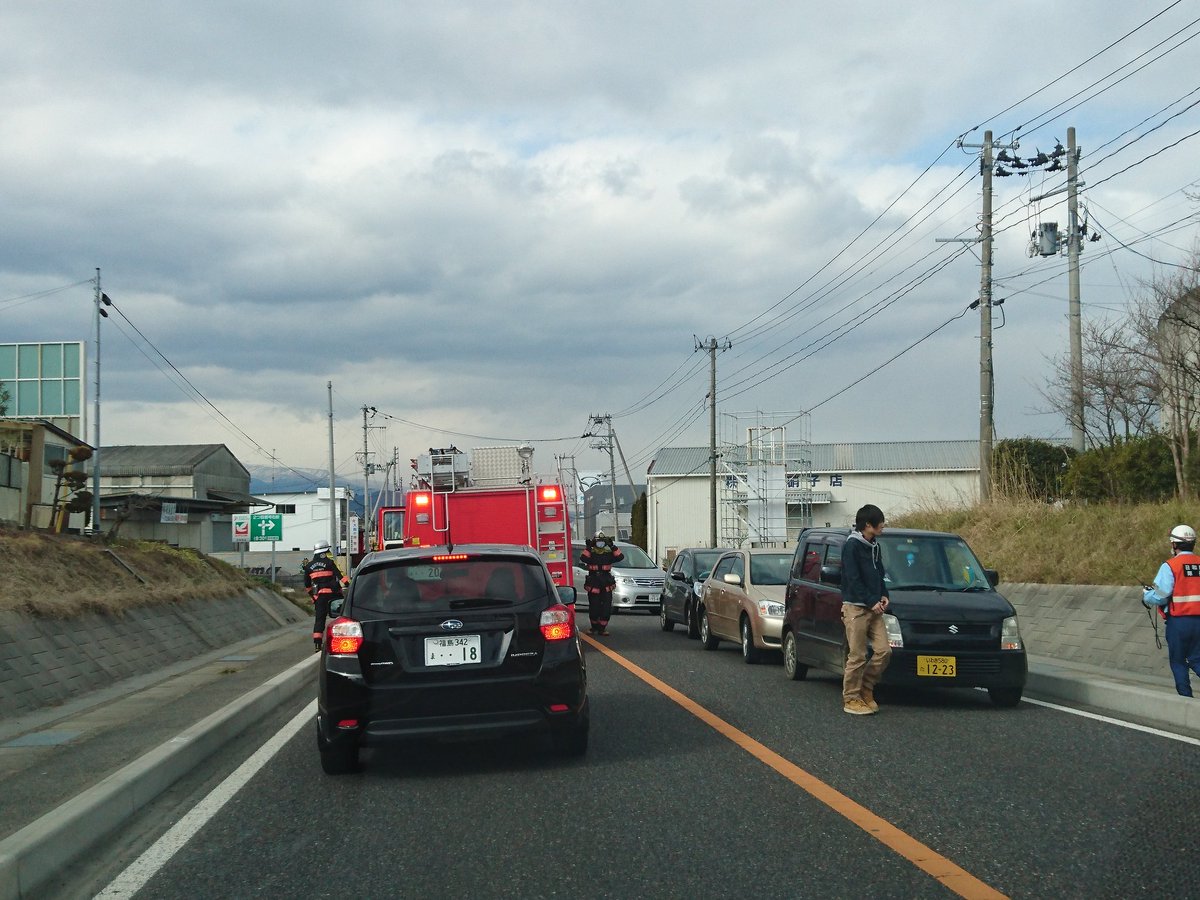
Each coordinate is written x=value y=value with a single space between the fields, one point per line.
x=1185 y=596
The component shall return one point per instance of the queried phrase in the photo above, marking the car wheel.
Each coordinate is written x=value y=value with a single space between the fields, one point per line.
x=339 y=758
x=750 y=653
x=708 y=640
x=664 y=621
x=1005 y=697
x=792 y=667
x=693 y=625
x=571 y=741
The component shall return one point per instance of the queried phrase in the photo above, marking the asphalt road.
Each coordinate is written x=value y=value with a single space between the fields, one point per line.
x=1027 y=802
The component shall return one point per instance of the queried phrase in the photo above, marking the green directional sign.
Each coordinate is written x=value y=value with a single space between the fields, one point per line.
x=266 y=527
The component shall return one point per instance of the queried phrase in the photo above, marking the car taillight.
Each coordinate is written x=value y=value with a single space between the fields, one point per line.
x=343 y=636
x=558 y=623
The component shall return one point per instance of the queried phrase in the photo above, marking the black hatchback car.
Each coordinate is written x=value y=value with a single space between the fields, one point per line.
x=681 y=593
x=947 y=625
x=438 y=643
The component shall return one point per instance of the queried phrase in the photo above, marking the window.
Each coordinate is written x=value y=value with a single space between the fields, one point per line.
x=811 y=560
x=477 y=583
x=770 y=568
x=286 y=508
x=739 y=567
x=724 y=567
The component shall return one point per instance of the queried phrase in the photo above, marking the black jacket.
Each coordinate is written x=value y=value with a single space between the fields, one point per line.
x=862 y=571
x=322 y=576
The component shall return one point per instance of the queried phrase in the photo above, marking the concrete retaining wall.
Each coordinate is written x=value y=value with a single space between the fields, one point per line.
x=44 y=662
x=1098 y=625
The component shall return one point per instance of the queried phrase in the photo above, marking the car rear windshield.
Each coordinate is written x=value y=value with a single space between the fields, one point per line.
x=931 y=562
x=428 y=585
x=770 y=568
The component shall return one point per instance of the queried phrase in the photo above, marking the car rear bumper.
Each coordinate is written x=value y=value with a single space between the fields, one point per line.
x=386 y=713
x=986 y=669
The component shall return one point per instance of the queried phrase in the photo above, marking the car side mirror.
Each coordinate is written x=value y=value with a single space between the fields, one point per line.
x=831 y=575
x=731 y=578
x=335 y=606
x=678 y=576
x=566 y=594
x=993 y=576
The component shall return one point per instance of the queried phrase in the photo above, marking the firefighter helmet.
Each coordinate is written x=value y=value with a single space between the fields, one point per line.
x=320 y=547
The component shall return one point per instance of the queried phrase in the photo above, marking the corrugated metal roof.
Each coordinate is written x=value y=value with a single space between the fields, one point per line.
x=168 y=459
x=884 y=456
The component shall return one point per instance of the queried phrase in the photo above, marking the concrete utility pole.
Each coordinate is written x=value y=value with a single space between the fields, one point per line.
x=606 y=444
x=986 y=384
x=366 y=483
x=96 y=426
x=1074 y=318
x=712 y=345
x=333 y=506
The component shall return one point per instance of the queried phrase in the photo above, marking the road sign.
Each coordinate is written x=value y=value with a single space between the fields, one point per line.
x=266 y=526
x=241 y=528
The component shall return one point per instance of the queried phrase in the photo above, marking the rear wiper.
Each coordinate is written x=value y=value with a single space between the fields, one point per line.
x=974 y=587
x=918 y=587
x=478 y=602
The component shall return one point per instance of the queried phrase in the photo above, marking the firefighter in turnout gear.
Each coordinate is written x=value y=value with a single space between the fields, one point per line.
x=598 y=558
x=323 y=581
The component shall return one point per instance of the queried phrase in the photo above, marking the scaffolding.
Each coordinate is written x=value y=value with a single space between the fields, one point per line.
x=765 y=492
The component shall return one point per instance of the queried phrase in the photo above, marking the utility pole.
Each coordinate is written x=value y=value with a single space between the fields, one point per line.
x=712 y=345
x=333 y=505
x=366 y=461
x=987 y=386
x=96 y=427
x=606 y=444
x=1074 y=322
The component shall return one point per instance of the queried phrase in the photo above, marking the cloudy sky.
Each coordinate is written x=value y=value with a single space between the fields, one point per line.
x=490 y=220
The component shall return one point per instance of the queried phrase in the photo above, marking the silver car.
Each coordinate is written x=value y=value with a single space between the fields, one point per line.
x=639 y=581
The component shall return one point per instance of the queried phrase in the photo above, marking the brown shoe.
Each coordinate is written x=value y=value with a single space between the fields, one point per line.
x=857 y=708
x=868 y=697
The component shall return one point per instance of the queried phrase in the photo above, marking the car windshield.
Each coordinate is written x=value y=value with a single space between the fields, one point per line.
x=770 y=568
x=931 y=562
x=635 y=558
x=425 y=585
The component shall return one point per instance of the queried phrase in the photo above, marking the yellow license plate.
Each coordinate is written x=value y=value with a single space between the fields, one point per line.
x=937 y=666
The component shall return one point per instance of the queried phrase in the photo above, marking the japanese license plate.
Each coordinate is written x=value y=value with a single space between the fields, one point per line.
x=937 y=666
x=460 y=650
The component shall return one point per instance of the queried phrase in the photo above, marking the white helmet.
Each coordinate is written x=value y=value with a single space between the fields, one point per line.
x=321 y=547
x=1183 y=534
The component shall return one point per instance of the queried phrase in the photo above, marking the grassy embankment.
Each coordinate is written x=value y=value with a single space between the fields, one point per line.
x=1034 y=542
x=60 y=576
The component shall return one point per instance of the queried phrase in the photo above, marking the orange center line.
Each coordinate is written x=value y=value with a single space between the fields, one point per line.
x=947 y=873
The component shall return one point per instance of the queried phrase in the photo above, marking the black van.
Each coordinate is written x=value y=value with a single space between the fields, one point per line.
x=947 y=625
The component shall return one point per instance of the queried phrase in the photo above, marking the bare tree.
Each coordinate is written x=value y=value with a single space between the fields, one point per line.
x=1120 y=388
x=1166 y=319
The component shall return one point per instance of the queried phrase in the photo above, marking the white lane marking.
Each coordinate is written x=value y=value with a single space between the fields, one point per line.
x=1099 y=718
x=141 y=870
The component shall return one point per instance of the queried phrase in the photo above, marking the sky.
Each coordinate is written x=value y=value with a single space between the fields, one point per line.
x=486 y=222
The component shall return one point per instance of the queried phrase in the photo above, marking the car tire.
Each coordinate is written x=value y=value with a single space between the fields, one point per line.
x=340 y=758
x=792 y=667
x=693 y=625
x=750 y=653
x=708 y=640
x=665 y=622
x=1005 y=698
x=571 y=741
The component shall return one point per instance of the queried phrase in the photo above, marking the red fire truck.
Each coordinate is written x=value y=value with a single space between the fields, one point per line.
x=457 y=504
x=533 y=515
x=389 y=528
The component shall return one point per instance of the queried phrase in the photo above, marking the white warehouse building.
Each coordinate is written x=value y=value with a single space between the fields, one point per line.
x=816 y=484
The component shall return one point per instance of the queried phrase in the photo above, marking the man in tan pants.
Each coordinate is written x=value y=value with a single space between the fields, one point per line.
x=864 y=600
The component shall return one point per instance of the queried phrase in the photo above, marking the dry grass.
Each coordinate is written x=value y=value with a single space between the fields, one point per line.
x=1073 y=544
x=60 y=576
